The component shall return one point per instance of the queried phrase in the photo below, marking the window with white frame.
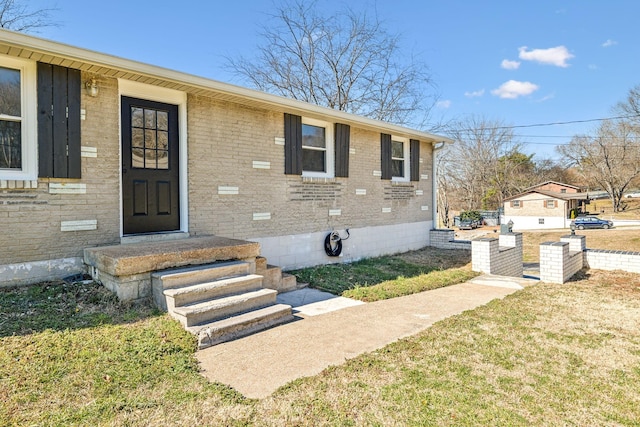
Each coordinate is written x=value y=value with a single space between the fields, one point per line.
x=551 y=204
x=399 y=159
x=18 y=143
x=317 y=148
x=515 y=204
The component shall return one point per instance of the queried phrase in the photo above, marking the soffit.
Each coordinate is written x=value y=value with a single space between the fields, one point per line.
x=36 y=49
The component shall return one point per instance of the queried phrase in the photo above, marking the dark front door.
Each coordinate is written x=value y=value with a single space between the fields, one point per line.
x=150 y=175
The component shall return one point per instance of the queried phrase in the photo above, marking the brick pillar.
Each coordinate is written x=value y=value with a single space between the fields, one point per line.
x=576 y=243
x=484 y=252
x=511 y=262
x=554 y=257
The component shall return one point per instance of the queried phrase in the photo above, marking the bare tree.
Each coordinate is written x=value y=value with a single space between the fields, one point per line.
x=475 y=170
x=346 y=61
x=18 y=15
x=547 y=169
x=445 y=188
x=631 y=106
x=609 y=160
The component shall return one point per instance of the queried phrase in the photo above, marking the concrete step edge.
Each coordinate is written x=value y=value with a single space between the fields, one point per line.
x=219 y=308
x=200 y=273
x=241 y=325
x=206 y=286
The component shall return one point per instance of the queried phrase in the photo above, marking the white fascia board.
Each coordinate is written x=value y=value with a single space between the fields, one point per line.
x=48 y=47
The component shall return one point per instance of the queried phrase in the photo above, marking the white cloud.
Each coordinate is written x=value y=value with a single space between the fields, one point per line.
x=557 y=56
x=474 y=94
x=592 y=66
x=609 y=43
x=444 y=104
x=514 y=89
x=510 y=65
x=548 y=97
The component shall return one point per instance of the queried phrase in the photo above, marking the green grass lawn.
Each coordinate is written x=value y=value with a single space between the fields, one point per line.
x=386 y=277
x=547 y=355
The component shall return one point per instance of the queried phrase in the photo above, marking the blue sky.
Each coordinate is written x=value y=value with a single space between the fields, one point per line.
x=519 y=62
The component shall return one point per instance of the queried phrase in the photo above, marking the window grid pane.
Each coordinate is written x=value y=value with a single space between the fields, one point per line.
x=397 y=168
x=313 y=161
x=313 y=136
x=397 y=150
x=149 y=138
x=10 y=145
x=10 y=102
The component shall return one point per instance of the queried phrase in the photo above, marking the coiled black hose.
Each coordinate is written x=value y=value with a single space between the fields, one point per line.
x=334 y=249
x=333 y=243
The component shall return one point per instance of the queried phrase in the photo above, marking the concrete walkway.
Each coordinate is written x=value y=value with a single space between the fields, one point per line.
x=336 y=329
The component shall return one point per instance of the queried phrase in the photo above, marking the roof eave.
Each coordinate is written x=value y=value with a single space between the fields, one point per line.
x=48 y=47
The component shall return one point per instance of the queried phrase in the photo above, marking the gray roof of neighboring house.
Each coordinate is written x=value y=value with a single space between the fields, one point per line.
x=552 y=194
x=47 y=51
x=551 y=182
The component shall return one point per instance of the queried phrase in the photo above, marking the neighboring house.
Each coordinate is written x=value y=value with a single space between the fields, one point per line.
x=555 y=187
x=547 y=205
x=98 y=150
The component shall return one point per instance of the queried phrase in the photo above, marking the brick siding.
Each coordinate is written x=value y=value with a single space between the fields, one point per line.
x=226 y=141
x=32 y=217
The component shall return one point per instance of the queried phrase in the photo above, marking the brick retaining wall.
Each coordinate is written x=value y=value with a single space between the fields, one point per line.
x=602 y=259
x=559 y=261
x=446 y=239
x=501 y=256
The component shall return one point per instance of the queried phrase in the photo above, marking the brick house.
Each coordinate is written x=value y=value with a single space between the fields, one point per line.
x=98 y=150
x=546 y=205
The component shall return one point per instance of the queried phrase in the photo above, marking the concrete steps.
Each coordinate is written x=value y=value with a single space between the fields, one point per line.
x=220 y=301
x=207 y=311
x=183 y=296
x=241 y=325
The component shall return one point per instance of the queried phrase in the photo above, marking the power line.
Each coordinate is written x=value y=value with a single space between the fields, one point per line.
x=568 y=122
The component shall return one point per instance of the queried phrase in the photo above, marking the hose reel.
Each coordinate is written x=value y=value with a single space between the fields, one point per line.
x=333 y=243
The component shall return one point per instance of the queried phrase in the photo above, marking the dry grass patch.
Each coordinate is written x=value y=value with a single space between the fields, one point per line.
x=548 y=355
x=622 y=239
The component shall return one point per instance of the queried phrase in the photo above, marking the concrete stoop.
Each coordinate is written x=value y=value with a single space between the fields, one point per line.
x=219 y=289
x=219 y=302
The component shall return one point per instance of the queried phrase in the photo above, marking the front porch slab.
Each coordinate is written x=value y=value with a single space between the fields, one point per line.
x=126 y=269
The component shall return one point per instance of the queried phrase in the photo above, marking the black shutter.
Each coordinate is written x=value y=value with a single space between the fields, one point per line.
x=292 y=144
x=385 y=156
x=45 y=120
x=58 y=122
x=73 y=123
x=414 y=159
x=342 y=135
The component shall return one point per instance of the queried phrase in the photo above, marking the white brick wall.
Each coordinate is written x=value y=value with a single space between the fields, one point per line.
x=307 y=249
x=601 y=259
x=501 y=256
x=445 y=239
x=559 y=261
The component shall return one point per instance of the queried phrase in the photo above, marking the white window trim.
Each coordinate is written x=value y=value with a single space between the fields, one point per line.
x=550 y=202
x=405 y=150
x=28 y=119
x=329 y=152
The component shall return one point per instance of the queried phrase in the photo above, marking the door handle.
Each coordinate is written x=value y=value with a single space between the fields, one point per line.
x=124 y=170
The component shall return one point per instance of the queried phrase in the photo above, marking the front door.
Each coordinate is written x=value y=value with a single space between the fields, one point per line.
x=150 y=175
